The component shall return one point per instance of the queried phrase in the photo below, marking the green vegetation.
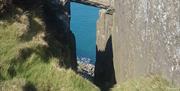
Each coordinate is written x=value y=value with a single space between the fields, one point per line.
x=152 y=83
x=28 y=63
x=30 y=60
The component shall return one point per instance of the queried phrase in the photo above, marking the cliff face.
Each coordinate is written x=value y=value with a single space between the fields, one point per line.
x=57 y=19
x=36 y=47
x=104 y=68
x=145 y=39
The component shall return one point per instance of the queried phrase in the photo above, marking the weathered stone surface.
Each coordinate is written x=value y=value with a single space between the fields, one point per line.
x=145 y=39
x=104 y=69
x=105 y=4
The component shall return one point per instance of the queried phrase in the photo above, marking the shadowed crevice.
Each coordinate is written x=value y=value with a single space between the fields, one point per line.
x=104 y=67
x=58 y=29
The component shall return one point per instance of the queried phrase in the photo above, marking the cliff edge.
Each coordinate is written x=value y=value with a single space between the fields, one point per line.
x=37 y=49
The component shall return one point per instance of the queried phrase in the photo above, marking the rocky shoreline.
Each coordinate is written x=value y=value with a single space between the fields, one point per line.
x=85 y=68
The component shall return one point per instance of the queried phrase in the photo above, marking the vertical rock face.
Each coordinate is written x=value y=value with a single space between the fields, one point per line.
x=145 y=39
x=104 y=71
x=57 y=17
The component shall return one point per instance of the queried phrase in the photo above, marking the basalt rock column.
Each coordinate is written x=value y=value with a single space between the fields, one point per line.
x=104 y=69
x=146 y=39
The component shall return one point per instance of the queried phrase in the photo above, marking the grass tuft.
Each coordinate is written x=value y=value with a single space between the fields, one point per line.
x=152 y=83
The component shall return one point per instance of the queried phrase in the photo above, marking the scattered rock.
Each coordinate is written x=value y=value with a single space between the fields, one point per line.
x=86 y=69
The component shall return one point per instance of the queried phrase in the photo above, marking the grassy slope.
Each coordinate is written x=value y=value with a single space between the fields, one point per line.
x=152 y=83
x=28 y=64
x=26 y=61
x=24 y=64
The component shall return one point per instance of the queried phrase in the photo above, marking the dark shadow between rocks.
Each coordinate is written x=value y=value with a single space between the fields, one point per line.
x=104 y=68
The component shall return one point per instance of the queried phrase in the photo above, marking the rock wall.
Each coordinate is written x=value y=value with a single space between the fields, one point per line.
x=57 y=17
x=104 y=69
x=145 y=39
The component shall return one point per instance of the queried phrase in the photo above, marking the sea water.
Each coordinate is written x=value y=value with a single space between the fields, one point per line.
x=83 y=25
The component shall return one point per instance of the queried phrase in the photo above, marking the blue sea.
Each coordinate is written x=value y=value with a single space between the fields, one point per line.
x=83 y=25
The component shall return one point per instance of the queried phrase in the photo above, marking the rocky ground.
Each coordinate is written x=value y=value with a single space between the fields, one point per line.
x=86 y=69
